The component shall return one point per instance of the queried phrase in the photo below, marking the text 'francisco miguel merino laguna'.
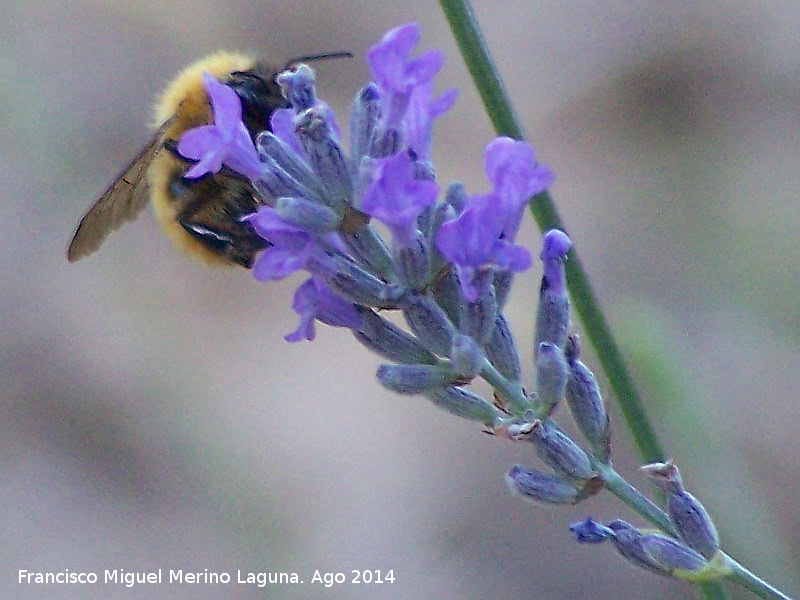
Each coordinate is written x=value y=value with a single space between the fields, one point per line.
x=132 y=578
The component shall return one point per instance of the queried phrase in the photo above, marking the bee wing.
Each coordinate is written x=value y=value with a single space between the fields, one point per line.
x=122 y=201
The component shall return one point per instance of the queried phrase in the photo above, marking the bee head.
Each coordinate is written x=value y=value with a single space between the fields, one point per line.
x=260 y=95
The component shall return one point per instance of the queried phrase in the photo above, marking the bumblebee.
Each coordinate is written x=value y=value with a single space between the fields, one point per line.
x=201 y=216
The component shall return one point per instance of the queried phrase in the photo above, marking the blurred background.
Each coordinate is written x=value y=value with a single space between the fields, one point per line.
x=153 y=416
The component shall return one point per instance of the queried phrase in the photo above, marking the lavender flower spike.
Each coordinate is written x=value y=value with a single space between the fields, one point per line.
x=225 y=142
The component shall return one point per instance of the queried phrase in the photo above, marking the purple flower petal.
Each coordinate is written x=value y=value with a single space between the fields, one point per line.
x=201 y=144
x=314 y=300
x=512 y=169
x=304 y=305
x=396 y=74
x=227 y=141
x=396 y=198
x=292 y=247
x=270 y=225
x=590 y=531
x=275 y=263
x=388 y=59
x=469 y=239
x=282 y=125
x=474 y=240
x=418 y=119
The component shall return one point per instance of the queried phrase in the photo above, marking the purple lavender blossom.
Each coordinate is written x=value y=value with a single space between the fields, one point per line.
x=394 y=187
x=398 y=75
x=516 y=177
x=292 y=246
x=483 y=234
x=405 y=87
x=226 y=141
x=474 y=241
x=297 y=85
x=396 y=197
x=314 y=300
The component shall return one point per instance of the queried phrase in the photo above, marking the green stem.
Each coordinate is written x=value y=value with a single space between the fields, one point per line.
x=755 y=584
x=617 y=485
x=511 y=392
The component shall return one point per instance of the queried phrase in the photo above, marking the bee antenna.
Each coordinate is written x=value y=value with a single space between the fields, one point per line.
x=312 y=57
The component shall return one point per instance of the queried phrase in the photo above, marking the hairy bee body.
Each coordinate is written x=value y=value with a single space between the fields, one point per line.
x=202 y=216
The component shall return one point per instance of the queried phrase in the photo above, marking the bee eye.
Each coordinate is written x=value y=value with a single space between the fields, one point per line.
x=178 y=187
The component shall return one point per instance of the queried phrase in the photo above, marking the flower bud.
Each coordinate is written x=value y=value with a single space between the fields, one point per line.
x=311 y=216
x=354 y=283
x=560 y=453
x=447 y=292
x=364 y=118
x=390 y=341
x=555 y=245
x=551 y=377
x=387 y=141
x=429 y=323
x=466 y=357
x=536 y=486
x=552 y=314
x=552 y=318
x=671 y=555
x=689 y=517
x=425 y=222
x=501 y=350
x=368 y=249
x=326 y=157
x=456 y=196
x=478 y=317
x=288 y=175
x=413 y=262
x=585 y=402
x=590 y=531
x=423 y=169
x=414 y=379
x=297 y=85
x=653 y=551
x=503 y=278
x=463 y=403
